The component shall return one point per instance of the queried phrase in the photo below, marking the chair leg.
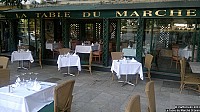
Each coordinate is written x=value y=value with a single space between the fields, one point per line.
x=40 y=64
x=136 y=79
x=182 y=87
x=29 y=65
x=171 y=63
x=198 y=88
x=53 y=54
x=95 y=58
x=99 y=59
x=78 y=72
x=149 y=75
x=112 y=76
x=90 y=69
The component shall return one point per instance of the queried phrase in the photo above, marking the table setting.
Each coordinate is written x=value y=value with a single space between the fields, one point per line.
x=26 y=94
x=185 y=52
x=127 y=66
x=68 y=60
x=22 y=55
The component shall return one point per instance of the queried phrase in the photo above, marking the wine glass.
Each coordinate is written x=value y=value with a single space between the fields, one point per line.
x=121 y=56
x=35 y=76
x=23 y=78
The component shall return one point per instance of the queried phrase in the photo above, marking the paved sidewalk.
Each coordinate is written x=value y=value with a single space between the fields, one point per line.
x=98 y=93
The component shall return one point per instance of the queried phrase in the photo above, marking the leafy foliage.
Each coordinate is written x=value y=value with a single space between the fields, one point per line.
x=17 y=3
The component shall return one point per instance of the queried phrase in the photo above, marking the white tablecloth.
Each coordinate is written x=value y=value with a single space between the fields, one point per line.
x=124 y=67
x=52 y=46
x=195 y=67
x=184 y=53
x=22 y=55
x=24 y=100
x=86 y=49
x=129 y=52
x=69 y=60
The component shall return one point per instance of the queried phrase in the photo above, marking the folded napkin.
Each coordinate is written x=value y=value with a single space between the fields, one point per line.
x=186 y=48
x=18 y=80
x=66 y=54
x=17 y=83
x=92 y=44
x=36 y=86
x=133 y=60
x=74 y=54
x=124 y=58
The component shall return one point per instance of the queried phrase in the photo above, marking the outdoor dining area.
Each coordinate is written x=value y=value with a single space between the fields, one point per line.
x=27 y=89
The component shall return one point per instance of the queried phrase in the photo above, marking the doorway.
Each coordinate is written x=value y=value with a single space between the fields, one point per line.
x=162 y=34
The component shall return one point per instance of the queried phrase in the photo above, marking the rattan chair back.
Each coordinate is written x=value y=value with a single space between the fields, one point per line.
x=133 y=104
x=148 y=61
x=23 y=47
x=183 y=65
x=4 y=77
x=116 y=55
x=150 y=93
x=4 y=62
x=188 y=79
x=63 y=96
x=89 y=64
x=63 y=51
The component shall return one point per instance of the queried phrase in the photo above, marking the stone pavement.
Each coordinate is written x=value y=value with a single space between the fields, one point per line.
x=98 y=93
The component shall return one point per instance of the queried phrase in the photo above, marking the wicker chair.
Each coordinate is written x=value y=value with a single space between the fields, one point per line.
x=150 y=93
x=116 y=56
x=175 y=57
x=63 y=96
x=98 y=53
x=88 y=63
x=4 y=77
x=63 y=51
x=147 y=65
x=4 y=62
x=133 y=104
x=188 y=79
x=23 y=47
x=56 y=50
x=123 y=45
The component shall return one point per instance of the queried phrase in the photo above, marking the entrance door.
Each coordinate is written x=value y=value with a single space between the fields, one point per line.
x=4 y=37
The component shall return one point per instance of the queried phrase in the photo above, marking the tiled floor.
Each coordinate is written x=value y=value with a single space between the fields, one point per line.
x=98 y=93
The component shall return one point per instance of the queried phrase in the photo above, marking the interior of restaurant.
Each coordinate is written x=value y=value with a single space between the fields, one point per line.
x=160 y=35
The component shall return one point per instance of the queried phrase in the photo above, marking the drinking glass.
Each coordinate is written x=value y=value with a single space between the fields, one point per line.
x=35 y=76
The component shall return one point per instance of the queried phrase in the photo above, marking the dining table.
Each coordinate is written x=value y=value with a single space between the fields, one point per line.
x=195 y=67
x=24 y=98
x=68 y=60
x=127 y=67
x=22 y=56
x=183 y=52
